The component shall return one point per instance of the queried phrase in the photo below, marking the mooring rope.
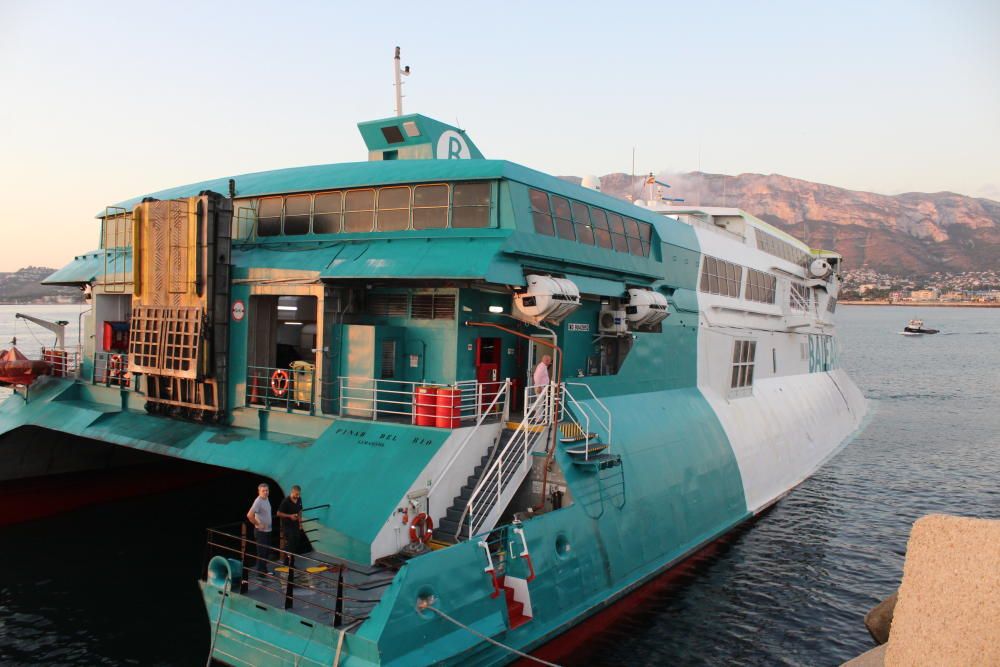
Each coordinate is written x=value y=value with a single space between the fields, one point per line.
x=218 y=619
x=489 y=639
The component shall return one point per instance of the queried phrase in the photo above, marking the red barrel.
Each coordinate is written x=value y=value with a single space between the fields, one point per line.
x=449 y=401
x=425 y=406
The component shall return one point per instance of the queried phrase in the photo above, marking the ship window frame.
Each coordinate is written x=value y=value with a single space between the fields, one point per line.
x=379 y=209
x=743 y=361
x=348 y=211
x=562 y=217
x=602 y=230
x=298 y=217
x=474 y=210
x=618 y=238
x=584 y=229
x=542 y=218
x=261 y=203
x=720 y=277
x=761 y=286
x=339 y=213
x=445 y=208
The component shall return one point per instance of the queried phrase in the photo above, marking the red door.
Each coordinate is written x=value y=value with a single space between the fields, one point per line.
x=488 y=367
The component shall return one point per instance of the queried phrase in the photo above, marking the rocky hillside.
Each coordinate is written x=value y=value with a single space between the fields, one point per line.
x=909 y=234
x=24 y=286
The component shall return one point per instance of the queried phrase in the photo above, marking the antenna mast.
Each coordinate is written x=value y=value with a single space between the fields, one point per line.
x=398 y=73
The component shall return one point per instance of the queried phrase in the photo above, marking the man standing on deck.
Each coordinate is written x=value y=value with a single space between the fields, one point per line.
x=260 y=516
x=290 y=513
x=540 y=379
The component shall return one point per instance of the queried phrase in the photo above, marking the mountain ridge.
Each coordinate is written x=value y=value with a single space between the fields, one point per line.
x=912 y=233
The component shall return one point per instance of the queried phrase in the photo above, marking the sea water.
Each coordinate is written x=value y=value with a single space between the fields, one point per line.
x=115 y=584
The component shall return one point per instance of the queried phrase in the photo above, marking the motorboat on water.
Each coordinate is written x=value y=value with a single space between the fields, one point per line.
x=916 y=328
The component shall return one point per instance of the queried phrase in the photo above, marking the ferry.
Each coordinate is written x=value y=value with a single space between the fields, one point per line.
x=373 y=332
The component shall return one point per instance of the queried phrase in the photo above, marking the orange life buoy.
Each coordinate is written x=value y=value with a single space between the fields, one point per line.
x=427 y=526
x=279 y=382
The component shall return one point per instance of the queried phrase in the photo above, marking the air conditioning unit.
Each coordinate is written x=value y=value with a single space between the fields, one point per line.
x=646 y=307
x=546 y=298
x=613 y=322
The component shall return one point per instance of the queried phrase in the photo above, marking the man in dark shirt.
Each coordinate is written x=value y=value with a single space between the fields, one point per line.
x=290 y=514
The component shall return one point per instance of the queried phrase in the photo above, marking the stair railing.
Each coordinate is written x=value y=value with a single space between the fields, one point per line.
x=489 y=492
x=584 y=428
x=500 y=395
x=604 y=422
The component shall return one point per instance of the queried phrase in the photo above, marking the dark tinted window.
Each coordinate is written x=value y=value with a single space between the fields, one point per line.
x=563 y=220
x=327 y=213
x=269 y=217
x=471 y=205
x=600 y=221
x=581 y=219
x=540 y=213
x=297 y=214
x=617 y=232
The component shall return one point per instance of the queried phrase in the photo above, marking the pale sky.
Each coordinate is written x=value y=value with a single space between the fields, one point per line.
x=102 y=101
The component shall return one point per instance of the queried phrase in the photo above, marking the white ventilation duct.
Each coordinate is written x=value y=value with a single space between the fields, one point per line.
x=546 y=298
x=646 y=307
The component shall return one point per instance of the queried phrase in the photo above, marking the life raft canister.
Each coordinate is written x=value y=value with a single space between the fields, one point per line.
x=279 y=382
x=426 y=529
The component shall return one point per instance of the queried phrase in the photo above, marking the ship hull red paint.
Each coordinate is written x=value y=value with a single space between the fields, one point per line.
x=39 y=497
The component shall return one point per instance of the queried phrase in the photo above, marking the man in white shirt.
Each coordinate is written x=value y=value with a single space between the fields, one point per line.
x=541 y=376
x=260 y=516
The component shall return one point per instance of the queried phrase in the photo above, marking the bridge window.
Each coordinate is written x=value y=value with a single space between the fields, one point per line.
x=297 y=214
x=617 y=232
x=471 y=205
x=600 y=221
x=359 y=210
x=430 y=206
x=540 y=213
x=393 y=209
x=581 y=218
x=563 y=220
x=632 y=234
x=328 y=212
x=269 y=217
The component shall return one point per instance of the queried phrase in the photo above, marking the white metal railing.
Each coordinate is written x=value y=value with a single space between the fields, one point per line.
x=509 y=466
x=422 y=403
x=291 y=388
x=500 y=398
x=590 y=410
x=64 y=362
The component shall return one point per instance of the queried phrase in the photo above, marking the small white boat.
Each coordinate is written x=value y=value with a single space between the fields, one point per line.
x=916 y=328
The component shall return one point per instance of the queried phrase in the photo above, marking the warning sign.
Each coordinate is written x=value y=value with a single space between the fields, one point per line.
x=239 y=310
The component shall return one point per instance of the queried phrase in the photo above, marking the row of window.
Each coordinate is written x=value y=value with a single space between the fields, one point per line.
x=724 y=278
x=414 y=306
x=721 y=277
x=744 y=356
x=574 y=221
x=772 y=245
x=386 y=209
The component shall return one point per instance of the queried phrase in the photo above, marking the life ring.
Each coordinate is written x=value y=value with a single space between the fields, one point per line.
x=427 y=526
x=279 y=382
x=115 y=366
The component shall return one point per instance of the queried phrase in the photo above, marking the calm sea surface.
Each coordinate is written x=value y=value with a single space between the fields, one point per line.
x=116 y=585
